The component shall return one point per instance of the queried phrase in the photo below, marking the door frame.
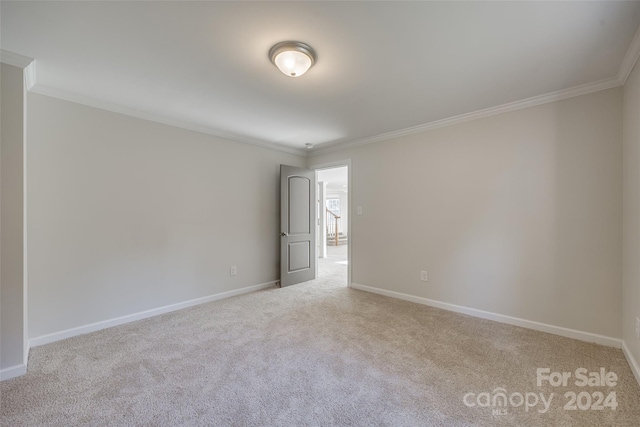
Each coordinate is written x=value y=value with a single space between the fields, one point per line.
x=333 y=165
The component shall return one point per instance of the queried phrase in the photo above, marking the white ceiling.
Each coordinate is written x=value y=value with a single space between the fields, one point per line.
x=336 y=178
x=382 y=66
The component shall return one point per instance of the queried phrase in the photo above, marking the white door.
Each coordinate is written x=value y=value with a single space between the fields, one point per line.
x=297 y=225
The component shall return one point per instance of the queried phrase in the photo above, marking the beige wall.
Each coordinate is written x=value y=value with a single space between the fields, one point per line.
x=517 y=214
x=127 y=215
x=12 y=342
x=631 y=212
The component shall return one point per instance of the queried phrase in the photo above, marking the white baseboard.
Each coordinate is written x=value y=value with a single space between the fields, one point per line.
x=13 y=371
x=68 y=333
x=543 y=327
x=633 y=363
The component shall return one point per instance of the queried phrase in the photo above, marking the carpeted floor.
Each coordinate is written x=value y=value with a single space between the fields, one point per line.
x=312 y=354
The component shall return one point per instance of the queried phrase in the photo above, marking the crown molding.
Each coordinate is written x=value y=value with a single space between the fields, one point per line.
x=116 y=108
x=630 y=58
x=626 y=66
x=479 y=114
x=14 y=59
x=28 y=65
x=30 y=75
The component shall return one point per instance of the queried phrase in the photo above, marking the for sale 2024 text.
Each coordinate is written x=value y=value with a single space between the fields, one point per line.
x=582 y=377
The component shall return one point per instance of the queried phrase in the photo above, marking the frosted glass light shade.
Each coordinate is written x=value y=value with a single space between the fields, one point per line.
x=292 y=63
x=292 y=58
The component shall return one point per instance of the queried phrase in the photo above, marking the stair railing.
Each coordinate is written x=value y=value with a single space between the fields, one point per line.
x=333 y=225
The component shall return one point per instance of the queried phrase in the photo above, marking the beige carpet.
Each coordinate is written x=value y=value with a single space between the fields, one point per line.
x=311 y=354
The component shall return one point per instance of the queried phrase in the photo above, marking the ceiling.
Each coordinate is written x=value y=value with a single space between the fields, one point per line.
x=335 y=178
x=382 y=67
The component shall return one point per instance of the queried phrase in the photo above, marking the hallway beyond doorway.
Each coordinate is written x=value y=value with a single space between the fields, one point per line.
x=334 y=221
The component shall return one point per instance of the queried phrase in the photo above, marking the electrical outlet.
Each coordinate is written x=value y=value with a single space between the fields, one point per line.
x=638 y=327
x=233 y=270
x=423 y=276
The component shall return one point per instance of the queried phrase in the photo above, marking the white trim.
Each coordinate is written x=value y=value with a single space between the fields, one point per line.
x=30 y=75
x=529 y=324
x=626 y=66
x=487 y=112
x=337 y=164
x=633 y=363
x=120 y=109
x=332 y=165
x=625 y=69
x=12 y=372
x=26 y=64
x=14 y=59
x=630 y=58
x=68 y=333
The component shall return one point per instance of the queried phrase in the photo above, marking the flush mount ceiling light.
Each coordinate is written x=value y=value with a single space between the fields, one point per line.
x=292 y=58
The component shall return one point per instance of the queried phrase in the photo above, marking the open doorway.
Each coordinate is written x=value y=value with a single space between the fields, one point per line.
x=333 y=229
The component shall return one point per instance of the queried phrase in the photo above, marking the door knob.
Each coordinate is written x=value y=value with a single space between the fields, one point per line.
x=284 y=234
